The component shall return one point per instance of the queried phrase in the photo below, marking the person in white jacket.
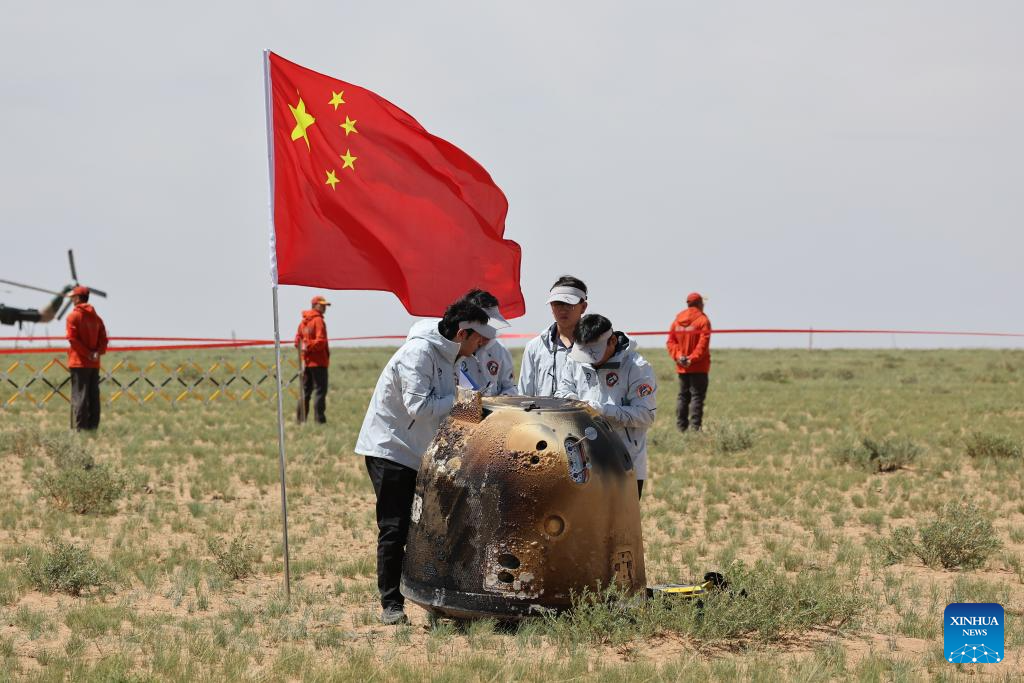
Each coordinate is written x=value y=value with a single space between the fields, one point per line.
x=544 y=356
x=490 y=370
x=415 y=392
x=605 y=371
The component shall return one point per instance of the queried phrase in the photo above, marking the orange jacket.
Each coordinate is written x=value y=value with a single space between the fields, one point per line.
x=87 y=335
x=312 y=333
x=683 y=342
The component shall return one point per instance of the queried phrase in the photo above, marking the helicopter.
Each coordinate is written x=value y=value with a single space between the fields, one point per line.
x=55 y=309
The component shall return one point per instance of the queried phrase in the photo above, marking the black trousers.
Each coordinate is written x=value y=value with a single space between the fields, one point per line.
x=395 y=486
x=314 y=379
x=85 y=398
x=693 y=388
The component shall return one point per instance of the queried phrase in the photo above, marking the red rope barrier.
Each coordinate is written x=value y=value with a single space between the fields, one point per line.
x=220 y=343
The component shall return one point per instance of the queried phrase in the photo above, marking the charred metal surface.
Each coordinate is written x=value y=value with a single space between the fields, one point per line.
x=519 y=503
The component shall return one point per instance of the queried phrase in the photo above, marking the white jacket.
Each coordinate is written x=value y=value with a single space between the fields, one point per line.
x=623 y=390
x=415 y=392
x=490 y=369
x=543 y=360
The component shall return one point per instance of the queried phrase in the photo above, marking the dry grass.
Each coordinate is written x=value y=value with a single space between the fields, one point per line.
x=190 y=551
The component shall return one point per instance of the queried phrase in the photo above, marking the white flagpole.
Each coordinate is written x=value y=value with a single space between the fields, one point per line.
x=277 y=328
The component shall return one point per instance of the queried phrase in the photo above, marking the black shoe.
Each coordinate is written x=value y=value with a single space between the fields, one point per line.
x=393 y=616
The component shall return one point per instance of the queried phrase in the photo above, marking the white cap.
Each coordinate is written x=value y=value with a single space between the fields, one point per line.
x=497 y=320
x=567 y=295
x=593 y=352
x=485 y=331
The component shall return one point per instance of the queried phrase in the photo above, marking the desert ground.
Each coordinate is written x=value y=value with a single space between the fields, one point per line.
x=849 y=494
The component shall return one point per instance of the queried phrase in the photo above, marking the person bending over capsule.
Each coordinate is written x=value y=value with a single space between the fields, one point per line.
x=605 y=371
x=415 y=392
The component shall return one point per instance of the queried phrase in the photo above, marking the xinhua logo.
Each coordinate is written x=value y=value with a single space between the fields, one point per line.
x=973 y=633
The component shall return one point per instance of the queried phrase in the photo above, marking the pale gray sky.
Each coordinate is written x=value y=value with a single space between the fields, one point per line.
x=825 y=163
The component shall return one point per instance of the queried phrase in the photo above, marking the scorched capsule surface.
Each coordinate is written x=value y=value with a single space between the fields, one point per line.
x=520 y=502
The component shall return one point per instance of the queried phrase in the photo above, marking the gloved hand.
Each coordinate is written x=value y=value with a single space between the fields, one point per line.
x=683 y=362
x=595 y=407
x=466 y=395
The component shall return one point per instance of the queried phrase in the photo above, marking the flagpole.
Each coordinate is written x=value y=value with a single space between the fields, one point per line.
x=280 y=449
x=277 y=329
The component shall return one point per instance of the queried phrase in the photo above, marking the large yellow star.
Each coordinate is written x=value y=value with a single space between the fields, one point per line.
x=302 y=121
x=349 y=126
x=336 y=99
x=350 y=161
x=332 y=179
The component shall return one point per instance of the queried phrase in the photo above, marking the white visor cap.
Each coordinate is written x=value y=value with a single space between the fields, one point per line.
x=593 y=352
x=497 y=320
x=485 y=331
x=567 y=295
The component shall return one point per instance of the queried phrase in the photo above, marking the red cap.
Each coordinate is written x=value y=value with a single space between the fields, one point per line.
x=694 y=297
x=80 y=290
x=319 y=300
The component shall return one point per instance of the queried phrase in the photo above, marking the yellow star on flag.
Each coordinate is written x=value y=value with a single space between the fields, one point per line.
x=336 y=99
x=332 y=179
x=350 y=161
x=349 y=126
x=303 y=121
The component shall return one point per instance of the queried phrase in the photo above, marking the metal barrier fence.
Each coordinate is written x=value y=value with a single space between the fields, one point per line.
x=39 y=382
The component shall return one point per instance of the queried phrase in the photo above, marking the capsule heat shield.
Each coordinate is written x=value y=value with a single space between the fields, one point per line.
x=521 y=502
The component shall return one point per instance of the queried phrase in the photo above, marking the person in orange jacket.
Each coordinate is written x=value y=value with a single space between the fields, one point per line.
x=311 y=338
x=88 y=339
x=689 y=345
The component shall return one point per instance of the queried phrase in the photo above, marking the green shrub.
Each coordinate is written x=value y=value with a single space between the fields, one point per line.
x=878 y=456
x=981 y=445
x=67 y=450
x=732 y=438
x=92 y=489
x=65 y=568
x=960 y=537
x=236 y=559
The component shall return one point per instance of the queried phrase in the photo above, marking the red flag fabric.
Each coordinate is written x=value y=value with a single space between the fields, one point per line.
x=366 y=198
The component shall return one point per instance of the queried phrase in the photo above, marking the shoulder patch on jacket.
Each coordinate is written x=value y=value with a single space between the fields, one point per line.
x=644 y=390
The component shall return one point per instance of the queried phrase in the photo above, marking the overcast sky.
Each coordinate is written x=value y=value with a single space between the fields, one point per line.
x=817 y=163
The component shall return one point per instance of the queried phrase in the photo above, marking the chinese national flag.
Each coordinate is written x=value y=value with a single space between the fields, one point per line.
x=365 y=198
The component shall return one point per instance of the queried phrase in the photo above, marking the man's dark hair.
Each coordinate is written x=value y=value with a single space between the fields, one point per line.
x=461 y=311
x=481 y=298
x=84 y=298
x=570 y=281
x=590 y=327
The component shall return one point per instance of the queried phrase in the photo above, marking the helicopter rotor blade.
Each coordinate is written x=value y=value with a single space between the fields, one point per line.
x=37 y=289
x=97 y=292
x=71 y=260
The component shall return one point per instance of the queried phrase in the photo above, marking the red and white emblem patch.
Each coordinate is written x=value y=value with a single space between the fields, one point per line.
x=492 y=367
x=611 y=379
x=644 y=390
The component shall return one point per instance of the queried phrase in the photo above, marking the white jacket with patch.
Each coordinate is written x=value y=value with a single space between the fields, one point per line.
x=623 y=390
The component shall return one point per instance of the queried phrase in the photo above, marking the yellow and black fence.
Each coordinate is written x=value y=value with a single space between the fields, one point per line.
x=40 y=382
